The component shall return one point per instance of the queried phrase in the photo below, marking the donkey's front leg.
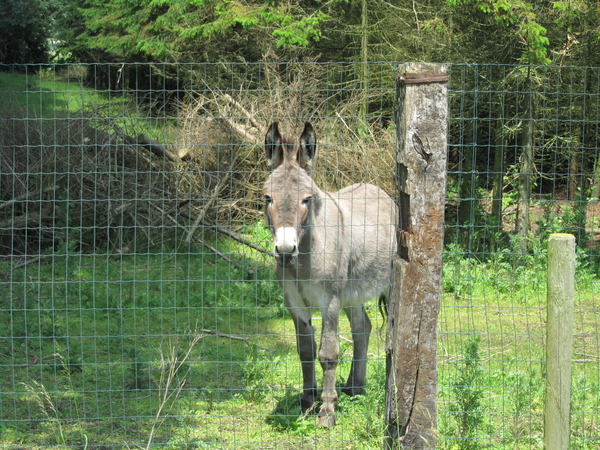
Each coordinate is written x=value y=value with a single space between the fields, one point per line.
x=307 y=350
x=328 y=356
x=361 y=330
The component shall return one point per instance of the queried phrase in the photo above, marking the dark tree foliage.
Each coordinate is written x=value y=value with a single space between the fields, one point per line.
x=25 y=31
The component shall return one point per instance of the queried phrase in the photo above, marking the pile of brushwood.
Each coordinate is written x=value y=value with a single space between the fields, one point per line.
x=97 y=181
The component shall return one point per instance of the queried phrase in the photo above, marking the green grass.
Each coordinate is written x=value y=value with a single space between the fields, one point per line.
x=58 y=94
x=80 y=363
x=44 y=94
x=504 y=307
x=84 y=358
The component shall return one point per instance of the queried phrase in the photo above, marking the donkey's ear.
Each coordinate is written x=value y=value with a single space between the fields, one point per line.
x=274 y=146
x=308 y=147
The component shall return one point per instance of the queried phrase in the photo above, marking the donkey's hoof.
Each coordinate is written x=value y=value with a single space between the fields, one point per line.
x=326 y=420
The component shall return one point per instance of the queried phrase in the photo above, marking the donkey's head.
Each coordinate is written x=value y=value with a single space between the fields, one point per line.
x=289 y=191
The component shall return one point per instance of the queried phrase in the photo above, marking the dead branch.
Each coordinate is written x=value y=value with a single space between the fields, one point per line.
x=31 y=261
x=213 y=197
x=241 y=240
x=239 y=129
x=33 y=359
x=206 y=244
x=28 y=195
x=231 y=336
x=157 y=148
x=231 y=100
x=222 y=256
x=26 y=220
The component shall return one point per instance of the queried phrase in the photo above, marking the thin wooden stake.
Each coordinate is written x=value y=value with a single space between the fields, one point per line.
x=559 y=340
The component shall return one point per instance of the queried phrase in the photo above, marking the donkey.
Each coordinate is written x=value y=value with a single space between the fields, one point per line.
x=332 y=251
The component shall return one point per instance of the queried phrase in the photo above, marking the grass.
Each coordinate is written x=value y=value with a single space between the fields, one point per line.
x=83 y=359
x=503 y=309
x=53 y=94
x=92 y=339
x=46 y=94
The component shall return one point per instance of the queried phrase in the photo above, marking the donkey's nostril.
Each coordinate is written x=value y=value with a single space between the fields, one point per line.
x=285 y=251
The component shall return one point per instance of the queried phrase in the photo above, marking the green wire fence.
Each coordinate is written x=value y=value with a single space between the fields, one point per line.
x=138 y=304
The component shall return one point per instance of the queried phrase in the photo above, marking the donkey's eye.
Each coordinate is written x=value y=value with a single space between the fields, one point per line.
x=306 y=201
x=268 y=200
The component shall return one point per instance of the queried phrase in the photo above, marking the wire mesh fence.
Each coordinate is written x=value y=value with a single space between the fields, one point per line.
x=139 y=306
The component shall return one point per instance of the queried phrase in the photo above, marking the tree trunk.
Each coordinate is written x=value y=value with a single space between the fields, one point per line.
x=524 y=182
x=364 y=57
x=573 y=187
x=596 y=187
x=498 y=185
x=468 y=185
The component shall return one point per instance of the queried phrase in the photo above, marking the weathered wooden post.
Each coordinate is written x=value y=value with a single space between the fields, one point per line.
x=559 y=340
x=411 y=385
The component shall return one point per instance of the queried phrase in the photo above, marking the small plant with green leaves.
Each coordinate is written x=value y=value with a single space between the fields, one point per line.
x=256 y=368
x=526 y=392
x=467 y=392
x=571 y=219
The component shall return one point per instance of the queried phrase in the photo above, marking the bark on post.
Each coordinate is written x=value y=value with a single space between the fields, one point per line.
x=411 y=385
x=559 y=341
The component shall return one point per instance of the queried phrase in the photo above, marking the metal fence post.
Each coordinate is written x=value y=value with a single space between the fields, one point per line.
x=411 y=384
x=559 y=340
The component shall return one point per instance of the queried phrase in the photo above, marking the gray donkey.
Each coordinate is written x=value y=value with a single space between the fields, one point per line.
x=332 y=251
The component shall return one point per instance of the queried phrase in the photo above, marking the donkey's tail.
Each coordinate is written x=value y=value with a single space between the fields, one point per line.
x=382 y=304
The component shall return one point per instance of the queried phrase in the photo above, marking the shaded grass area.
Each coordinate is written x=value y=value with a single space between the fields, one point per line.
x=44 y=94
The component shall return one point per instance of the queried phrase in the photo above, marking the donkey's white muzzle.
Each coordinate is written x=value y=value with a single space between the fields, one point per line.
x=285 y=249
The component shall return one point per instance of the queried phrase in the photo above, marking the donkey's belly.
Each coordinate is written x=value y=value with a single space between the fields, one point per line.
x=317 y=294
x=304 y=294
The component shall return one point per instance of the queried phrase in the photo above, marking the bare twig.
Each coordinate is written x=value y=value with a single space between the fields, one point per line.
x=239 y=129
x=346 y=125
x=28 y=195
x=33 y=358
x=212 y=199
x=205 y=244
x=170 y=366
x=241 y=240
x=31 y=261
x=232 y=337
x=26 y=220
x=157 y=148
x=231 y=100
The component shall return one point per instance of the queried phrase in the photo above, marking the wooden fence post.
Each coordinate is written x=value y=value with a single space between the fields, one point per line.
x=559 y=340
x=411 y=384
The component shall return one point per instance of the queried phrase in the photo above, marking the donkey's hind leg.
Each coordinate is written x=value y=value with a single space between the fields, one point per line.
x=361 y=330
